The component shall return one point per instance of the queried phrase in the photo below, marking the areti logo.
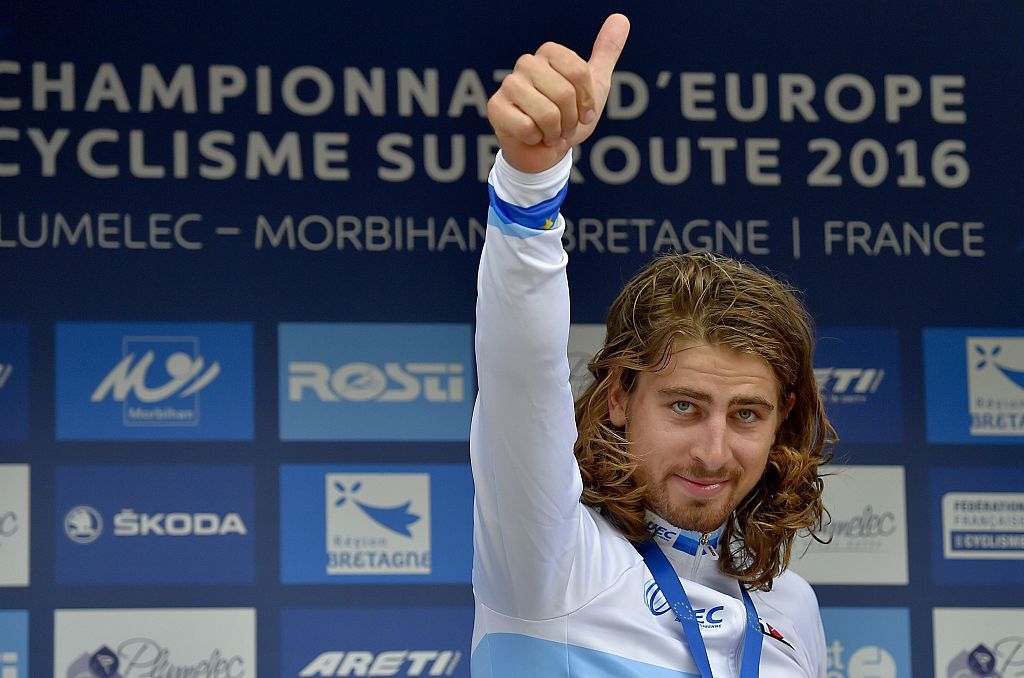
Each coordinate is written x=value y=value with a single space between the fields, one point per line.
x=394 y=518
x=361 y=382
x=5 y=373
x=83 y=524
x=146 y=658
x=1001 y=659
x=388 y=663
x=848 y=384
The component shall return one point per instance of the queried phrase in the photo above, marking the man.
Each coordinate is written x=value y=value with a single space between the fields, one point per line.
x=698 y=445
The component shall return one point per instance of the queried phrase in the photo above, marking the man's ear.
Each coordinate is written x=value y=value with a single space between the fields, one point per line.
x=787 y=407
x=617 y=400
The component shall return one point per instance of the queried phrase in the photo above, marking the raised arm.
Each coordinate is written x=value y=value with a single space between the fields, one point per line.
x=527 y=514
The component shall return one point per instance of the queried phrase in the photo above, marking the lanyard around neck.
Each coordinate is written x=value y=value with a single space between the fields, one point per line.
x=674 y=594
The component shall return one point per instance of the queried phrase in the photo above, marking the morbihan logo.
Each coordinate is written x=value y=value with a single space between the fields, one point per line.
x=83 y=524
x=360 y=382
x=6 y=369
x=867 y=661
x=709 y=618
x=847 y=385
x=995 y=379
x=178 y=394
x=124 y=379
x=388 y=663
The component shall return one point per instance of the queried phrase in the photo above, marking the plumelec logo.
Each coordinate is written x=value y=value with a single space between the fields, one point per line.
x=154 y=381
x=14 y=381
x=155 y=524
x=858 y=371
x=979 y=642
x=974 y=385
x=353 y=381
x=151 y=642
x=416 y=644
x=357 y=524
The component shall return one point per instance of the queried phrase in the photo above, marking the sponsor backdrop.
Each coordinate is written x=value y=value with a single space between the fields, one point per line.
x=237 y=266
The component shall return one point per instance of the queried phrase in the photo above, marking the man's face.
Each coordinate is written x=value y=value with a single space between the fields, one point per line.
x=701 y=429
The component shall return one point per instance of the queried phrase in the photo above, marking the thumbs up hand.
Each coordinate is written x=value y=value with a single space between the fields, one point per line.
x=554 y=99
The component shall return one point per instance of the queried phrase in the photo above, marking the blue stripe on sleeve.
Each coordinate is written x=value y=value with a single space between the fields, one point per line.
x=541 y=217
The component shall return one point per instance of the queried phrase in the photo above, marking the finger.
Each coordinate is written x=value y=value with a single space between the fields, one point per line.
x=526 y=89
x=510 y=122
x=608 y=46
x=575 y=72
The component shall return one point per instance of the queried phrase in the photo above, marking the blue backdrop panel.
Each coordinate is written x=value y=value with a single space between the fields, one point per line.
x=296 y=194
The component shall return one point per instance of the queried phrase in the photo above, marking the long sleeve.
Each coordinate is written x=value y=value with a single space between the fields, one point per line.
x=527 y=511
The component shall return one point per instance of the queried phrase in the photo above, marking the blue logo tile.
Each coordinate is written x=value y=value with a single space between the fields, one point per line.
x=974 y=385
x=867 y=641
x=154 y=381
x=375 y=381
x=388 y=524
x=14 y=644
x=858 y=372
x=155 y=524
x=375 y=641
x=14 y=381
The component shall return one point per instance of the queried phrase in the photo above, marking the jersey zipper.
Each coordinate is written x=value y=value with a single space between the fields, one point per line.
x=702 y=546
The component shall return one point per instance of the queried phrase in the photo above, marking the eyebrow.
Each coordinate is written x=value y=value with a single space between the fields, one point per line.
x=682 y=391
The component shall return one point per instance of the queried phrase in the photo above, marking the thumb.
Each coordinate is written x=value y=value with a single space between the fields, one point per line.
x=608 y=46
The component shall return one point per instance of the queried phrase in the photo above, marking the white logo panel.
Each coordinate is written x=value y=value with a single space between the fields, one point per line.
x=973 y=642
x=378 y=523
x=584 y=343
x=135 y=643
x=14 y=524
x=868 y=529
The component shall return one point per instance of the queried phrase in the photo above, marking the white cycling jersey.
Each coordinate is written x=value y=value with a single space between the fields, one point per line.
x=559 y=591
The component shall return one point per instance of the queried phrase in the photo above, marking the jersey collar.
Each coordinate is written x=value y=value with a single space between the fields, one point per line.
x=687 y=541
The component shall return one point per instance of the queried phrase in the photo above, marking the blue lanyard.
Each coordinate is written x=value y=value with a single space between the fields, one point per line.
x=673 y=591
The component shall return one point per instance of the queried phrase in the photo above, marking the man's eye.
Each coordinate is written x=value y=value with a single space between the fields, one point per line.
x=682 y=407
x=747 y=416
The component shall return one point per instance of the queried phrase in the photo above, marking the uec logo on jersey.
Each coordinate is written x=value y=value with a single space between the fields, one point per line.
x=361 y=382
x=658 y=605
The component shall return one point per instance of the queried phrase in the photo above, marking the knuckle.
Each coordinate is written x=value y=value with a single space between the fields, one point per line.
x=524 y=61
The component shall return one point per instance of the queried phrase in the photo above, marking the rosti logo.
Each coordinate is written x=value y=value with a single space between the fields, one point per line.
x=185 y=375
x=393 y=382
x=388 y=663
x=845 y=385
x=995 y=377
x=5 y=373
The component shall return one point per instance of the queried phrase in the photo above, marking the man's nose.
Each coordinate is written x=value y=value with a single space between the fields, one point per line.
x=712 y=449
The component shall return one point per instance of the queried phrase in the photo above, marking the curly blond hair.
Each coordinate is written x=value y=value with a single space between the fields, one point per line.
x=714 y=299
